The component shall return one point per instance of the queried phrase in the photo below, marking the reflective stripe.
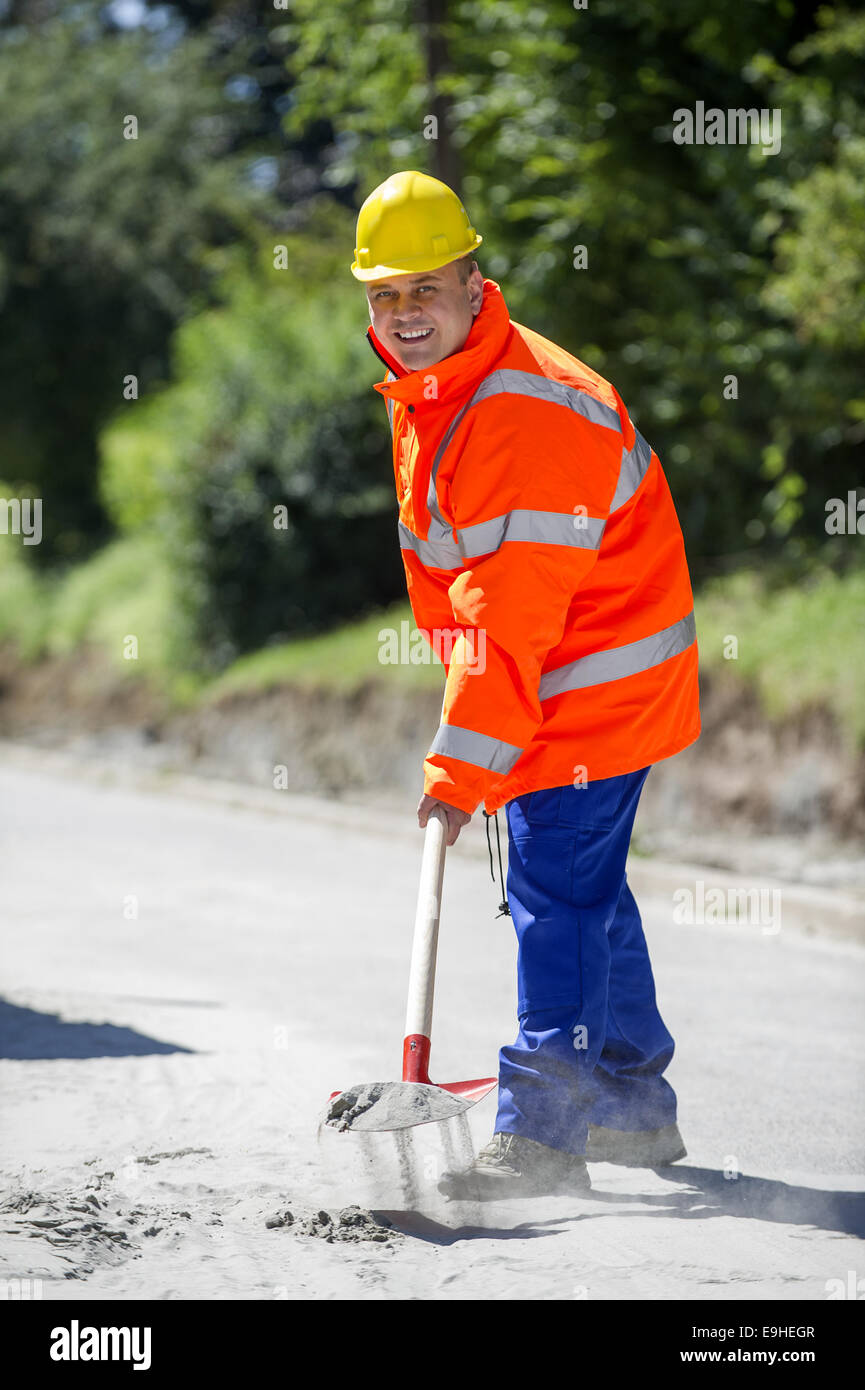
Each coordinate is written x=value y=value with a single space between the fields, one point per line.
x=632 y=471
x=544 y=388
x=432 y=498
x=618 y=662
x=543 y=528
x=547 y=528
x=388 y=402
x=479 y=749
x=439 y=554
x=509 y=382
x=552 y=528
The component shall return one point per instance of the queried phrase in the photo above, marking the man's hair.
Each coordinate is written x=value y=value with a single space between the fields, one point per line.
x=465 y=265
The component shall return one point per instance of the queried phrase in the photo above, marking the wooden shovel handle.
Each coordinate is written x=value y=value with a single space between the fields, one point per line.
x=421 y=985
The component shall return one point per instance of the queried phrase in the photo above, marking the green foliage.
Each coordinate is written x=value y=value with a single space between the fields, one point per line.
x=124 y=590
x=272 y=419
x=800 y=645
x=24 y=615
x=820 y=265
x=704 y=262
x=346 y=660
x=105 y=242
x=151 y=257
x=820 y=281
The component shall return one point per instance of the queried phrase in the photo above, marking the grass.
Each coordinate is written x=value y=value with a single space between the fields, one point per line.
x=342 y=660
x=119 y=601
x=24 y=602
x=797 y=647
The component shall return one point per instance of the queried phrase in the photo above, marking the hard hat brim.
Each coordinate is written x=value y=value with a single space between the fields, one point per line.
x=411 y=265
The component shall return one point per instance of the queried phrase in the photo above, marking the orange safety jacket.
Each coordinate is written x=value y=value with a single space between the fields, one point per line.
x=538 y=535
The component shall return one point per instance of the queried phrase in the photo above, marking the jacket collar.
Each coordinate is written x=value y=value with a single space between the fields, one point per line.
x=459 y=373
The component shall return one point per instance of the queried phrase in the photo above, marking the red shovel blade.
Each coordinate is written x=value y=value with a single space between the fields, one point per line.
x=415 y=1067
x=472 y=1091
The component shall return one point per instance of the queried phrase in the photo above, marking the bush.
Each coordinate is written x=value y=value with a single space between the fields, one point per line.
x=265 y=469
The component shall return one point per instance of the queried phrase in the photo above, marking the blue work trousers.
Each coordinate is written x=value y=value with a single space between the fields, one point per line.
x=592 y=1046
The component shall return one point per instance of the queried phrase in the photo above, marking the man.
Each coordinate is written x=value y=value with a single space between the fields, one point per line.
x=536 y=523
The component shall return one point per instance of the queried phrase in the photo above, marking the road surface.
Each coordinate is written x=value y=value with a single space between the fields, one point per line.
x=186 y=979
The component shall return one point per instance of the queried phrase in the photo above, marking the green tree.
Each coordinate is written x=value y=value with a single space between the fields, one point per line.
x=563 y=120
x=105 y=241
x=264 y=467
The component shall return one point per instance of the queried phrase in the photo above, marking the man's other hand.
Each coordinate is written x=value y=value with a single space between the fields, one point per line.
x=455 y=817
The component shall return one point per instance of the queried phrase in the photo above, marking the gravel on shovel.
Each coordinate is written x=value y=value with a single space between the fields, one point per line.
x=392 y=1105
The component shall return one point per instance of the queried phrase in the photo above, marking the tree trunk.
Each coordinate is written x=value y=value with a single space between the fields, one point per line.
x=444 y=158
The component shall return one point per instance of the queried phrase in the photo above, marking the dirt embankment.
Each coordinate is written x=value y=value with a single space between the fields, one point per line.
x=794 y=781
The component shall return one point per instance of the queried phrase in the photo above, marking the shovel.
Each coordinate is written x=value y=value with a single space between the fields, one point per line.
x=383 y=1105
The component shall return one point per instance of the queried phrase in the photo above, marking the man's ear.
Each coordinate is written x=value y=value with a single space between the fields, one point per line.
x=476 y=289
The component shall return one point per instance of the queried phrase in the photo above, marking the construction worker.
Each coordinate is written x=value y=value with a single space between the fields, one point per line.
x=535 y=522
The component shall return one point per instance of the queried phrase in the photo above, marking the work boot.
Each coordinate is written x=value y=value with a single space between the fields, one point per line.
x=639 y=1148
x=512 y=1166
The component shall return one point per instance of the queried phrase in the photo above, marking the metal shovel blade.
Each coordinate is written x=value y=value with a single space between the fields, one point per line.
x=385 y=1105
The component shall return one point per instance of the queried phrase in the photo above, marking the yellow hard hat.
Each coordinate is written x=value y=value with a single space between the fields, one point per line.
x=409 y=224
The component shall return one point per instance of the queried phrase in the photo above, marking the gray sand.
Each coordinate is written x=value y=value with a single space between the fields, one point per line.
x=407 y=1160
x=457 y=1144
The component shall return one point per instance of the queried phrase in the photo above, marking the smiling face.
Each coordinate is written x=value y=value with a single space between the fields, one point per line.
x=422 y=319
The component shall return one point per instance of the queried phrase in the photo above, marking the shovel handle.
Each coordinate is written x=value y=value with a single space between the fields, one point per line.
x=421 y=985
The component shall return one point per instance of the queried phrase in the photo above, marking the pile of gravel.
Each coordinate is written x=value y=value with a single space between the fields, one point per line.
x=352 y=1223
